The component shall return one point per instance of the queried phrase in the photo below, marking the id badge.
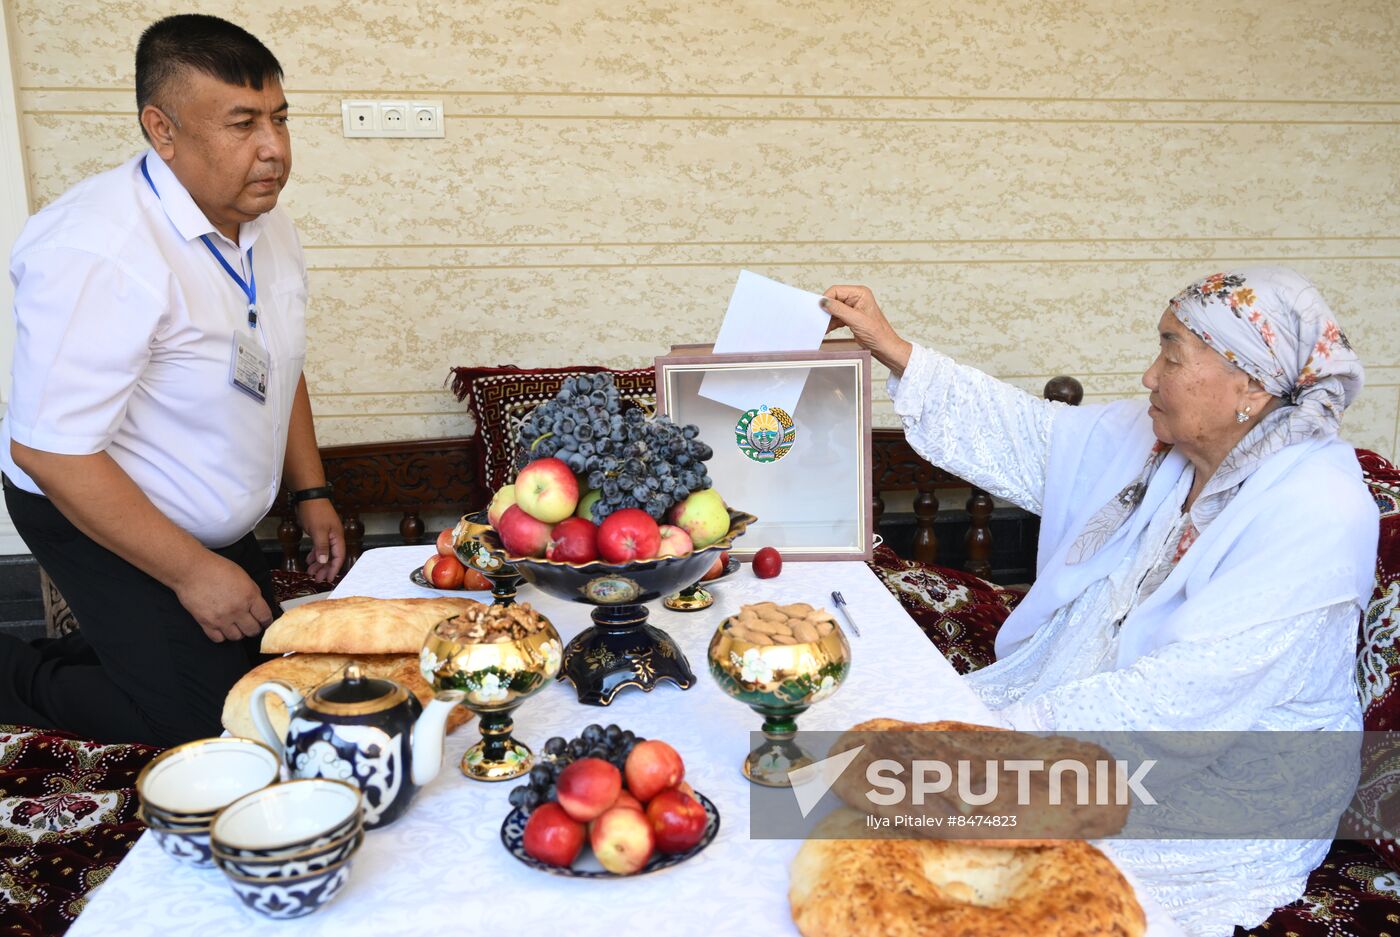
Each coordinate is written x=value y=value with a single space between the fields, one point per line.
x=248 y=368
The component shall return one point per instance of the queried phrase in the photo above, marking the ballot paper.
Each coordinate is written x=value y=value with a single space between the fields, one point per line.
x=765 y=316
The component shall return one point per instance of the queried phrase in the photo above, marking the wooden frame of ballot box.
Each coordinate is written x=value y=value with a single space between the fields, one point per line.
x=805 y=474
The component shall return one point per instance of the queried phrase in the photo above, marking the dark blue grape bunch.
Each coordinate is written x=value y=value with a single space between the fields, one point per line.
x=631 y=460
x=612 y=744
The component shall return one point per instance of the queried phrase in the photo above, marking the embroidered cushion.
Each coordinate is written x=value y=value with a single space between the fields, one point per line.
x=1372 y=815
x=959 y=612
x=1351 y=893
x=499 y=399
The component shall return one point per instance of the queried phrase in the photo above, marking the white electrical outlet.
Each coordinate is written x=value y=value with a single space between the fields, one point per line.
x=409 y=119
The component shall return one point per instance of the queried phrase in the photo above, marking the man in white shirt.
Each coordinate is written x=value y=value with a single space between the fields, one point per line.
x=158 y=401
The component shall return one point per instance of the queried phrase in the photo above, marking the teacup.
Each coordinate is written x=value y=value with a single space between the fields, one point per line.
x=189 y=845
x=290 y=896
x=191 y=782
x=303 y=863
x=287 y=819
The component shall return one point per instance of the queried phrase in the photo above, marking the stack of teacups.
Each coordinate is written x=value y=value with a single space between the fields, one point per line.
x=182 y=789
x=287 y=849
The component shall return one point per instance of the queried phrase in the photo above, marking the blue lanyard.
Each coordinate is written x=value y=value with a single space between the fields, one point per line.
x=250 y=289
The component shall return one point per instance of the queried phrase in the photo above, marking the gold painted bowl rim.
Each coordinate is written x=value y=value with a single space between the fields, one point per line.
x=739 y=522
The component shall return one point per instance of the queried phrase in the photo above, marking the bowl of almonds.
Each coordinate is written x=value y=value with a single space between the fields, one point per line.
x=779 y=660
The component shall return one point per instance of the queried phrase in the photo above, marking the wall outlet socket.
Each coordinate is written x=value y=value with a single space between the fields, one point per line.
x=405 y=119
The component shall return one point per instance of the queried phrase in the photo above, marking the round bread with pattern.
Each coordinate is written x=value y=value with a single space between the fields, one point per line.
x=854 y=887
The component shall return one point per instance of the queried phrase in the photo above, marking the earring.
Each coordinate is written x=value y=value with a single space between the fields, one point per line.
x=1242 y=416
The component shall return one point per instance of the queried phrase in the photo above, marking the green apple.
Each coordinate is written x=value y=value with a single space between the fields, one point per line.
x=585 y=504
x=703 y=516
x=499 y=502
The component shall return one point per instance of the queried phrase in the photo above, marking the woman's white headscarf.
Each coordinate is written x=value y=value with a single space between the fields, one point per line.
x=1272 y=323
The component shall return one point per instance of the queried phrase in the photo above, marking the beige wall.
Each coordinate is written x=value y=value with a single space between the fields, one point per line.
x=1023 y=183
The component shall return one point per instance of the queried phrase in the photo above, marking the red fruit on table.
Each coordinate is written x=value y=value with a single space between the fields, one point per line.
x=677 y=820
x=627 y=535
x=474 y=581
x=587 y=788
x=547 y=490
x=444 y=572
x=674 y=542
x=651 y=767
x=767 y=563
x=521 y=534
x=623 y=840
x=625 y=799
x=552 y=836
x=444 y=543
x=574 y=540
x=717 y=570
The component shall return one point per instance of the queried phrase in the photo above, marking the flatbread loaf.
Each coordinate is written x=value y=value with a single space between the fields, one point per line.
x=1037 y=822
x=853 y=887
x=305 y=672
x=360 y=625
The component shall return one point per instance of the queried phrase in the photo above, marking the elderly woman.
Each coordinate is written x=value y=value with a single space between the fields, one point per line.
x=1203 y=554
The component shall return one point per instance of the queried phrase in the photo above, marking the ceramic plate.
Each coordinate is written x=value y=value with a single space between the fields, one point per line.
x=586 y=866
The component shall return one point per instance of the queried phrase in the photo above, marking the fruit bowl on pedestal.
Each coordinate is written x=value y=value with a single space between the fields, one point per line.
x=620 y=649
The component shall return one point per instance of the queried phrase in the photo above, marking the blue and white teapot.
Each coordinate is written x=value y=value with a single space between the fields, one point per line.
x=366 y=731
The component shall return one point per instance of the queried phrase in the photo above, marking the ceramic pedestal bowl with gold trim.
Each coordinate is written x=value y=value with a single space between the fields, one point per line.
x=779 y=682
x=621 y=649
x=497 y=675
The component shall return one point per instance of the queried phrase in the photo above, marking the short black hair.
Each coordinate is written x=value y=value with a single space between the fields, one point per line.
x=206 y=44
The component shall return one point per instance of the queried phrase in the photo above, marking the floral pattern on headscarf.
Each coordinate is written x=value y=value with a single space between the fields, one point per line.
x=1271 y=323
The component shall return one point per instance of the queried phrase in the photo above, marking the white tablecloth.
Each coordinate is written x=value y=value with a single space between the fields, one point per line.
x=442 y=865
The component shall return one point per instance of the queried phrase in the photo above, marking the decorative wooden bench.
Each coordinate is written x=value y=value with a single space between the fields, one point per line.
x=439 y=475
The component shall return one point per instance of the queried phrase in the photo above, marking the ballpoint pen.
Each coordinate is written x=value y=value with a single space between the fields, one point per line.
x=845 y=610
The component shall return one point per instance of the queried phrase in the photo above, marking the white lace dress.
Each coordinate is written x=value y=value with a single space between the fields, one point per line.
x=1289 y=674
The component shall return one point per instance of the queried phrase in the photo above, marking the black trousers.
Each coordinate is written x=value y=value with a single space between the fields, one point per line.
x=140 y=669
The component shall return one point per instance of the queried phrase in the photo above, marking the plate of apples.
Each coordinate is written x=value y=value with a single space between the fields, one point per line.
x=443 y=572
x=607 y=805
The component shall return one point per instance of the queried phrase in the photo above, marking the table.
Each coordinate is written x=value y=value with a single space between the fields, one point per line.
x=442 y=865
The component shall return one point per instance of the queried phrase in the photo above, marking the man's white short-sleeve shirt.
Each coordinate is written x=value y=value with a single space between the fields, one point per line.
x=125 y=335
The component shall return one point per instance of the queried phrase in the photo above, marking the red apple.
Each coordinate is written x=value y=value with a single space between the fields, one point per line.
x=767 y=563
x=674 y=542
x=625 y=799
x=499 y=502
x=588 y=787
x=623 y=840
x=573 y=540
x=677 y=819
x=552 y=836
x=547 y=490
x=717 y=570
x=652 y=767
x=444 y=572
x=521 y=534
x=444 y=543
x=627 y=535
x=474 y=581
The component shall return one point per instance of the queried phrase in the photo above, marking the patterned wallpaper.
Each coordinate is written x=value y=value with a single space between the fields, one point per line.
x=1023 y=184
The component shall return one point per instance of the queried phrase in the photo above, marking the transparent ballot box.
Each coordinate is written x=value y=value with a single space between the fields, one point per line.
x=791 y=434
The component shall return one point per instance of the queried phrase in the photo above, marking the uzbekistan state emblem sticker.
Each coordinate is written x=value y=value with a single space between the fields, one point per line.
x=765 y=434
